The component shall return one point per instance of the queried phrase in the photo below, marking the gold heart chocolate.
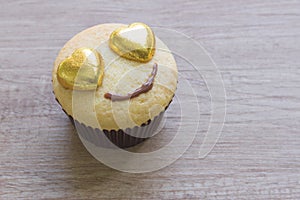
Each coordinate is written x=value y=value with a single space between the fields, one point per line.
x=135 y=42
x=83 y=70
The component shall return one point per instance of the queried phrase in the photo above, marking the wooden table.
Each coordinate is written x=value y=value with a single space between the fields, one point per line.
x=256 y=45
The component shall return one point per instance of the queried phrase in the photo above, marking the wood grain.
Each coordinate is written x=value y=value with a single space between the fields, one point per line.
x=256 y=45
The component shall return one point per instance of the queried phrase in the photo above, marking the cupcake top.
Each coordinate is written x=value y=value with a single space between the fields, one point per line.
x=129 y=88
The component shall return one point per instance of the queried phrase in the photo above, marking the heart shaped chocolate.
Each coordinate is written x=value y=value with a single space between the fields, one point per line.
x=83 y=70
x=135 y=42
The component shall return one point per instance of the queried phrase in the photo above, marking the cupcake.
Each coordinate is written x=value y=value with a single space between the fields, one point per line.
x=115 y=82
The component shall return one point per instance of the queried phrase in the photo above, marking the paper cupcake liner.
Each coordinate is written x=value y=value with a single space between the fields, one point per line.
x=121 y=138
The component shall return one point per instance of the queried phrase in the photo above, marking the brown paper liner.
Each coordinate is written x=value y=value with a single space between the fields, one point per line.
x=121 y=138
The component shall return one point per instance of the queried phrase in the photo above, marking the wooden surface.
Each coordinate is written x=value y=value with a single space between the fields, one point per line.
x=256 y=45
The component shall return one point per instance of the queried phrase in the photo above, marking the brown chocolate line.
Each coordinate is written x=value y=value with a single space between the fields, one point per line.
x=143 y=89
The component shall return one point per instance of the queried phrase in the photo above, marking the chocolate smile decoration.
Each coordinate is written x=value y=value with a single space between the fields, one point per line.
x=83 y=70
x=143 y=89
x=135 y=42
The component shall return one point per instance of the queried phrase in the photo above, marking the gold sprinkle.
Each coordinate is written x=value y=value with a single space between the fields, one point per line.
x=83 y=70
x=135 y=42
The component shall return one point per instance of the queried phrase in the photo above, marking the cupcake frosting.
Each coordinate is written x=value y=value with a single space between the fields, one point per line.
x=122 y=77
